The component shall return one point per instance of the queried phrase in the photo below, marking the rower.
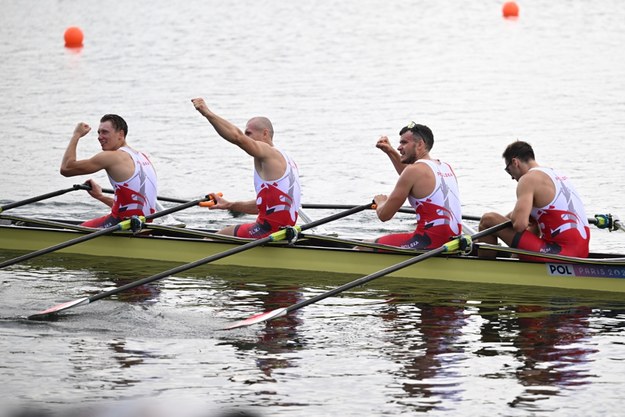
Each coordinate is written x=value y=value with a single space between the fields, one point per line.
x=549 y=215
x=276 y=177
x=430 y=185
x=130 y=172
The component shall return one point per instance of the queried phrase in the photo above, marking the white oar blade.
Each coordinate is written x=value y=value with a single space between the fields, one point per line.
x=258 y=318
x=58 y=308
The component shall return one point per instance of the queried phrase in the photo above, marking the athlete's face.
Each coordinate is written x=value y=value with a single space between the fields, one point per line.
x=254 y=132
x=513 y=169
x=407 y=149
x=110 y=139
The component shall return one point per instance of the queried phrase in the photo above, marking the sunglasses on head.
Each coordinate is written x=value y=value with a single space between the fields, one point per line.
x=413 y=127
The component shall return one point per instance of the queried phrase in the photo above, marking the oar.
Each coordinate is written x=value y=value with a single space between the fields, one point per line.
x=347 y=206
x=123 y=225
x=279 y=235
x=44 y=196
x=450 y=246
x=602 y=221
x=168 y=199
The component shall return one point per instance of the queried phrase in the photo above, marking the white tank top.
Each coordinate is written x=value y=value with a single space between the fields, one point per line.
x=567 y=204
x=136 y=195
x=442 y=206
x=281 y=195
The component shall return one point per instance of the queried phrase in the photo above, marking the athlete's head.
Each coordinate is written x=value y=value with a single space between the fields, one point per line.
x=420 y=131
x=521 y=150
x=116 y=121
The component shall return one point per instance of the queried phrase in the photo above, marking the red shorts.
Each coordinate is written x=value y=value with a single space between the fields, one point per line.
x=102 y=222
x=408 y=241
x=252 y=230
x=575 y=245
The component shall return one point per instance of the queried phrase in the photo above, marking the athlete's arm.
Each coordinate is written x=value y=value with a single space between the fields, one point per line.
x=231 y=133
x=525 y=198
x=388 y=206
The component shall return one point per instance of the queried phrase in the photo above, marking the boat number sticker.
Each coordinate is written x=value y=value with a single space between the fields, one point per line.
x=586 y=271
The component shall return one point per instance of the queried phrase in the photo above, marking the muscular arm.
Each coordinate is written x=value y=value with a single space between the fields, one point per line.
x=118 y=165
x=525 y=198
x=388 y=206
x=231 y=133
x=69 y=165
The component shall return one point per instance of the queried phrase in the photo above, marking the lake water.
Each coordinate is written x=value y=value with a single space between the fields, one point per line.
x=333 y=77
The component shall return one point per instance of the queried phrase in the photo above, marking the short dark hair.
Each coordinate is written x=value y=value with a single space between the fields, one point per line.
x=117 y=121
x=519 y=149
x=421 y=131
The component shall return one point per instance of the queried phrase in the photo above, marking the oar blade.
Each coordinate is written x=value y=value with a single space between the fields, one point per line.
x=58 y=308
x=257 y=318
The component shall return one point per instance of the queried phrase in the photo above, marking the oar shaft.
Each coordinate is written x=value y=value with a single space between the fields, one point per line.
x=364 y=280
x=43 y=197
x=168 y=199
x=350 y=210
x=390 y=269
x=184 y=205
x=123 y=225
x=410 y=210
x=259 y=242
x=279 y=235
x=348 y=206
x=602 y=221
x=452 y=245
x=182 y=268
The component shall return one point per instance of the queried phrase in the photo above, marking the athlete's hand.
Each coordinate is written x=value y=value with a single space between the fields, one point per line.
x=385 y=145
x=220 y=202
x=379 y=199
x=96 y=190
x=81 y=129
x=200 y=105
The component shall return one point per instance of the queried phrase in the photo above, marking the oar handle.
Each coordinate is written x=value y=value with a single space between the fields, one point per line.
x=44 y=196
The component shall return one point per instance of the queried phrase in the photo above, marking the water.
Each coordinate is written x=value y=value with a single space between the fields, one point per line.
x=333 y=77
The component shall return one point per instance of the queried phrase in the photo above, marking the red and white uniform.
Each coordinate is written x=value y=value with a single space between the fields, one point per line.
x=439 y=215
x=277 y=201
x=133 y=197
x=563 y=223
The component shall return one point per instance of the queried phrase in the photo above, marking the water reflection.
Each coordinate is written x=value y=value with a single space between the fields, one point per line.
x=427 y=341
x=546 y=348
x=553 y=350
x=278 y=337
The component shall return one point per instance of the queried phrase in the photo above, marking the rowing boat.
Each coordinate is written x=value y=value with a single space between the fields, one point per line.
x=318 y=253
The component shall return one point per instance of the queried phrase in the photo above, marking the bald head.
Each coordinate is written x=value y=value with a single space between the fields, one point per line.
x=260 y=124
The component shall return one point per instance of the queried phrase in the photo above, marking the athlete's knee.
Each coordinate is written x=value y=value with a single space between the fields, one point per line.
x=490 y=219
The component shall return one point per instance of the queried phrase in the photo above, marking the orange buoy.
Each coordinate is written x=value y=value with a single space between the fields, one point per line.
x=510 y=9
x=73 y=37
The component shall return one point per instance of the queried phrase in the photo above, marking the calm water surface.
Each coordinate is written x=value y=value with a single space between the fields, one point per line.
x=333 y=77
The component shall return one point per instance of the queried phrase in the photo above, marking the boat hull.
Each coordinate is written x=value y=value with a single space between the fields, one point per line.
x=589 y=276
